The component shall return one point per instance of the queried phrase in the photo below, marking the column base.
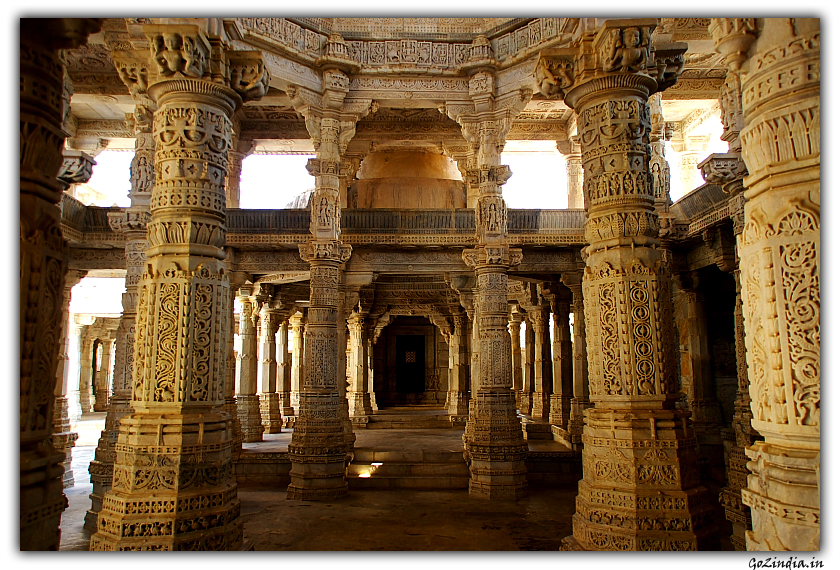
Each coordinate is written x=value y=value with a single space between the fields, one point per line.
x=458 y=403
x=173 y=488
x=559 y=410
x=63 y=440
x=322 y=479
x=495 y=447
x=249 y=418
x=793 y=488
x=318 y=450
x=272 y=418
x=640 y=489
x=41 y=498
x=525 y=401
x=359 y=404
x=541 y=406
x=576 y=423
x=286 y=408
x=101 y=469
x=100 y=403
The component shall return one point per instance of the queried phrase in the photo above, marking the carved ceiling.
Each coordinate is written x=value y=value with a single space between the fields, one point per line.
x=408 y=66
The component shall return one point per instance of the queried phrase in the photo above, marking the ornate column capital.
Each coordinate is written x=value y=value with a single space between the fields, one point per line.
x=337 y=56
x=485 y=257
x=333 y=250
x=621 y=55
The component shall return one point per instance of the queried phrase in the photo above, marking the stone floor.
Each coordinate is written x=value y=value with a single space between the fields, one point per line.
x=370 y=519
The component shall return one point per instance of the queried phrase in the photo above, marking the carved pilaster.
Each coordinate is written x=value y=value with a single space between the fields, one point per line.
x=177 y=442
x=780 y=279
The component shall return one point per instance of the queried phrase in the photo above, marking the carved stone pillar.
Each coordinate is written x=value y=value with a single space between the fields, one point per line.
x=247 y=401
x=373 y=406
x=358 y=397
x=86 y=373
x=697 y=372
x=660 y=171
x=237 y=279
x=74 y=366
x=780 y=276
x=543 y=369
x=272 y=419
x=515 y=324
x=43 y=265
x=238 y=151
x=63 y=439
x=459 y=380
x=561 y=398
x=745 y=435
x=284 y=372
x=493 y=439
x=103 y=377
x=640 y=488
x=132 y=224
x=528 y=370
x=580 y=402
x=297 y=324
x=173 y=486
x=574 y=170
x=728 y=171
x=318 y=447
x=691 y=150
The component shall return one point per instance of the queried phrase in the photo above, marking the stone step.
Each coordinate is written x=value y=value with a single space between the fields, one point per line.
x=369 y=456
x=393 y=421
x=441 y=482
x=367 y=470
x=536 y=430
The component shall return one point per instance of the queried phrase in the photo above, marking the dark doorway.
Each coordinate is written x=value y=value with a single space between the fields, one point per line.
x=411 y=363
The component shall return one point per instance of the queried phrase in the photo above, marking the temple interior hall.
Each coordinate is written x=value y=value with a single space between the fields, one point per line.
x=420 y=284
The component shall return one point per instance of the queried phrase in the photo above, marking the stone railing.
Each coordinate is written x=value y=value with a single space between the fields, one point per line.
x=82 y=224
x=268 y=221
x=73 y=212
x=546 y=221
x=702 y=207
x=403 y=222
